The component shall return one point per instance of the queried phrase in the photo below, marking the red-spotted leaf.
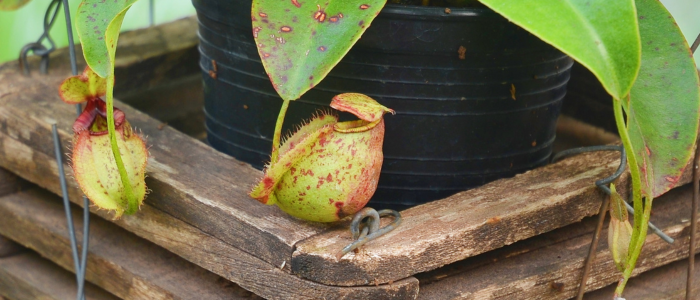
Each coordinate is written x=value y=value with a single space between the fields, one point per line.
x=300 y=41
x=664 y=105
x=92 y=22
x=8 y=5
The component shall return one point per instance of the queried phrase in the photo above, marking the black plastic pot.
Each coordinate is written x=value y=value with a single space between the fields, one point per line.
x=458 y=123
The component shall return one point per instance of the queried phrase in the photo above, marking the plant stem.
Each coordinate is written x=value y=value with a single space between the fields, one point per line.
x=132 y=203
x=642 y=212
x=278 y=132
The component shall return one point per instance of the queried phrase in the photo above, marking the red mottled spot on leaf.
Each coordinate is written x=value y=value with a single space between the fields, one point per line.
x=339 y=209
x=329 y=178
x=364 y=6
x=361 y=23
x=340 y=15
x=308 y=187
x=323 y=141
x=296 y=3
x=292 y=170
x=333 y=19
x=255 y=31
x=286 y=29
x=322 y=49
x=264 y=15
x=320 y=15
x=648 y=150
x=268 y=182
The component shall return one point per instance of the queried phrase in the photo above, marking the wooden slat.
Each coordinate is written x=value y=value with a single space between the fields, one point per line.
x=121 y=263
x=10 y=183
x=549 y=266
x=663 y=283
x=28 y=276
x=8 y=247
x=214 y=254
x=117 y=260
x=464 y=225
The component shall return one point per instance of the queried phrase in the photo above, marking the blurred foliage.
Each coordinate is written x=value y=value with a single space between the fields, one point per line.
x=25 y=25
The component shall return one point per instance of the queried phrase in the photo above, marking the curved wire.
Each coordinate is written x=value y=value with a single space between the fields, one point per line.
x=365 y=227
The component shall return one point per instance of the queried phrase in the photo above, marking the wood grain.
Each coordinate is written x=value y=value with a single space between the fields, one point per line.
x=549 y=266
x=28 y=276
x=663 y=283
x=118 y=261
x=133 y=268
x=466 y=224
x=8 y=247
x=11 y=183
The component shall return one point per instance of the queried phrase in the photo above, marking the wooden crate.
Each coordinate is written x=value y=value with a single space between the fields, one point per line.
x=515 y=238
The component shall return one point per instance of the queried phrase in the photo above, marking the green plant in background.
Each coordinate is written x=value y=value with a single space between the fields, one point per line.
x=24 y=25
x=12 y=4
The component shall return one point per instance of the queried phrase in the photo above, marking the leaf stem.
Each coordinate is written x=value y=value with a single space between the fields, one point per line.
x=642 y=212
x=278 y=132
x=132 y=203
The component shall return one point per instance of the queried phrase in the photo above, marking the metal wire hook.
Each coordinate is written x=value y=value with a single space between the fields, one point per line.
x=37 y=48
x=602 y=183
x=365 y=227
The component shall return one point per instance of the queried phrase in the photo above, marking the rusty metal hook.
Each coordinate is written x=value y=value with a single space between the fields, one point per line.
x=365 y=227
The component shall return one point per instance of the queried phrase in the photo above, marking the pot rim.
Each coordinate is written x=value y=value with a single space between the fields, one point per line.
x=436 y=13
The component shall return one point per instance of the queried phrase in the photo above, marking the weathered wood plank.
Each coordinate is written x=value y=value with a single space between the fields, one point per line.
x=28 y=276
x=663 y=283
x=464 y=225
x=49 y=238
x=8 y=247
x=572 y=133
x=11 y=183
x=155 y=56
x=121 y=263
x=549 y=266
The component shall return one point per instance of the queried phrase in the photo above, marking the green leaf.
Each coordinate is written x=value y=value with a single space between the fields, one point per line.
x=92 y=22
x=299 y=42
x=600 y=34
x=8 y=5
x=664 y=105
